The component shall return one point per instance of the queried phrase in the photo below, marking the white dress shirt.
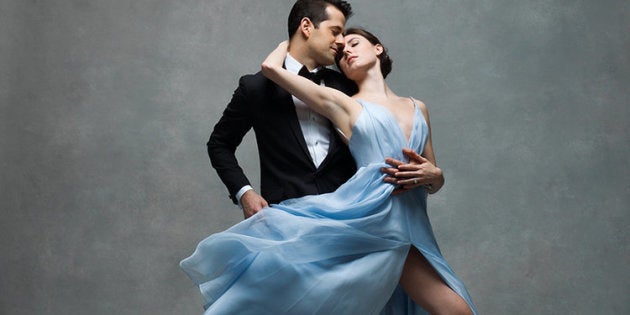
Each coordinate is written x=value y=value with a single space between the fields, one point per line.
x=315 y=127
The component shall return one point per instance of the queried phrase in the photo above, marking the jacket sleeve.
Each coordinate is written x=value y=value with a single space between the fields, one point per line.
x=227 y=135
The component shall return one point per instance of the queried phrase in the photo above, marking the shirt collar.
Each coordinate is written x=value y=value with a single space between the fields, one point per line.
x=294 y=66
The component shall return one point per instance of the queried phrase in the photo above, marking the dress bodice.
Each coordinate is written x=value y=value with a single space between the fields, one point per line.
x=376 y=135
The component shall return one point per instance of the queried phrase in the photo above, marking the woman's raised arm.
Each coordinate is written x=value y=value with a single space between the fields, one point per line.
x=341 y=109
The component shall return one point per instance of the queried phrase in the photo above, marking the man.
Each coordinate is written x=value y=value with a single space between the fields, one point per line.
x=300 y=153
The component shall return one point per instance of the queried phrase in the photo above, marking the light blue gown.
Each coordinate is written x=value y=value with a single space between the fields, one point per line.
x=336 y=253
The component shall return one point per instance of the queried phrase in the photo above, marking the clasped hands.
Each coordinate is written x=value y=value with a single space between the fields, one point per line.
x=419 y=171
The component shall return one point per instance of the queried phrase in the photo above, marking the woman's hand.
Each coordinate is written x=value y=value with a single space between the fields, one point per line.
x=277 y=56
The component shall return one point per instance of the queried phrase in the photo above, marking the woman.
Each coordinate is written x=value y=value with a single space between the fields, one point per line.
x=358 y=250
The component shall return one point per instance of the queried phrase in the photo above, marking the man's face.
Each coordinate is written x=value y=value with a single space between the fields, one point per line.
x=327 y=41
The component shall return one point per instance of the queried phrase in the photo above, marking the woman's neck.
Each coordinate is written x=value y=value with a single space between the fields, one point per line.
x=373 y=87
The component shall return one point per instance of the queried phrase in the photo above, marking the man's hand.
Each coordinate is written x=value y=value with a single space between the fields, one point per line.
x=418 y=172
x=251 y=202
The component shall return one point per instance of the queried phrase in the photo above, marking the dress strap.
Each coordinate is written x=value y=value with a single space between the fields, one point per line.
x=415 y=105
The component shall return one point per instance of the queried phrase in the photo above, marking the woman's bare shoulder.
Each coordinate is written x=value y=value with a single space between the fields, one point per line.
x=421 y=105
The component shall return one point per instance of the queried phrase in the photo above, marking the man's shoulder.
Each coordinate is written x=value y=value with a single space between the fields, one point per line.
x=254 y=79
x=337 y=80
x=330 y=73
x=256 y=85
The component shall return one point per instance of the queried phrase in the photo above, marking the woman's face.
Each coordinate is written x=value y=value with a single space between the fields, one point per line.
x=359 y=55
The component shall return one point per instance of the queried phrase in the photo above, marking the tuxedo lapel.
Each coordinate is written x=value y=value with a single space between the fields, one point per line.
x=293 y=123
x=335 y=145
x=331 y=79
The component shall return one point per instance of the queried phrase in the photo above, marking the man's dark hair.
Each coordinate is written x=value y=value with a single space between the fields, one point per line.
x=315 y=10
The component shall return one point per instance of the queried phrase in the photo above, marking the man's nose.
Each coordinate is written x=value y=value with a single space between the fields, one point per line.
x=339 y=40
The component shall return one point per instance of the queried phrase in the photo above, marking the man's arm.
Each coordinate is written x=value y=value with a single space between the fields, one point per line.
x=227 y=135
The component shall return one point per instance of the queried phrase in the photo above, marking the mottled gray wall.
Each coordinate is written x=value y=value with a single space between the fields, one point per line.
x=106 y=107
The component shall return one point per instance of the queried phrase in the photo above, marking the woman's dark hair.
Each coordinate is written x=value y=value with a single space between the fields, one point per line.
x=315 y=10
x=386 y=61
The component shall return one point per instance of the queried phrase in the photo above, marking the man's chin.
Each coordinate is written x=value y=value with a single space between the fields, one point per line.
x=329 y=61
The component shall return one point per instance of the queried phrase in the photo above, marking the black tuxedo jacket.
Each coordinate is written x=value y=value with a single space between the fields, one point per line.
x=286 y=167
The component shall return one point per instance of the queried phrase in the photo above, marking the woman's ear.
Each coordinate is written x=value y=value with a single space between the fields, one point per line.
x=379 y=49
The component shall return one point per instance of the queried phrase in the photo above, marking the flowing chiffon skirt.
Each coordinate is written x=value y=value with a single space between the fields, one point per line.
x=336 y=253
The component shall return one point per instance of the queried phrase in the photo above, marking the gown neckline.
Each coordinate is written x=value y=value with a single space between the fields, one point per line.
x=393 y=117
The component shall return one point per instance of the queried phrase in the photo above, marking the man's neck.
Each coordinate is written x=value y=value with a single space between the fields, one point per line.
x=298 y=52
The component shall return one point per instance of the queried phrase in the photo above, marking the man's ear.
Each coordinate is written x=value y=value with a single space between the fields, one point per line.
x=306 y=26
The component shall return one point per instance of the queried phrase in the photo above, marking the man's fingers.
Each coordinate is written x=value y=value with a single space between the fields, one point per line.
x=410 y=174
x=413 y=155
x=391 y=180
x=389 y=170
x=247 y=214
x=393 y=162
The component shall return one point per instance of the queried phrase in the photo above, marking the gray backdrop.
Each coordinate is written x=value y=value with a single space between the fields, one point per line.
x=107 y=105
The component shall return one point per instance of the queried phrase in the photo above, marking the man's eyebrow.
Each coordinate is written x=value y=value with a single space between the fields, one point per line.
x=336 y=28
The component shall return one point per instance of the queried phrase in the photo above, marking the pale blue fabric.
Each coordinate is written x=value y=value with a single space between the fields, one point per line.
x=336 y=253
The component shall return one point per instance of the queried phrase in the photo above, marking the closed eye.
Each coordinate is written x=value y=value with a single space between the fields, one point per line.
x=353 y=42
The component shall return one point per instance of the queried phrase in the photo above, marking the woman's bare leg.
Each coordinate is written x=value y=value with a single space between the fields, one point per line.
x=425 y=287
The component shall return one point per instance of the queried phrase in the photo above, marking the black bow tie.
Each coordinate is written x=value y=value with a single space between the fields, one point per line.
x=313 y=76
